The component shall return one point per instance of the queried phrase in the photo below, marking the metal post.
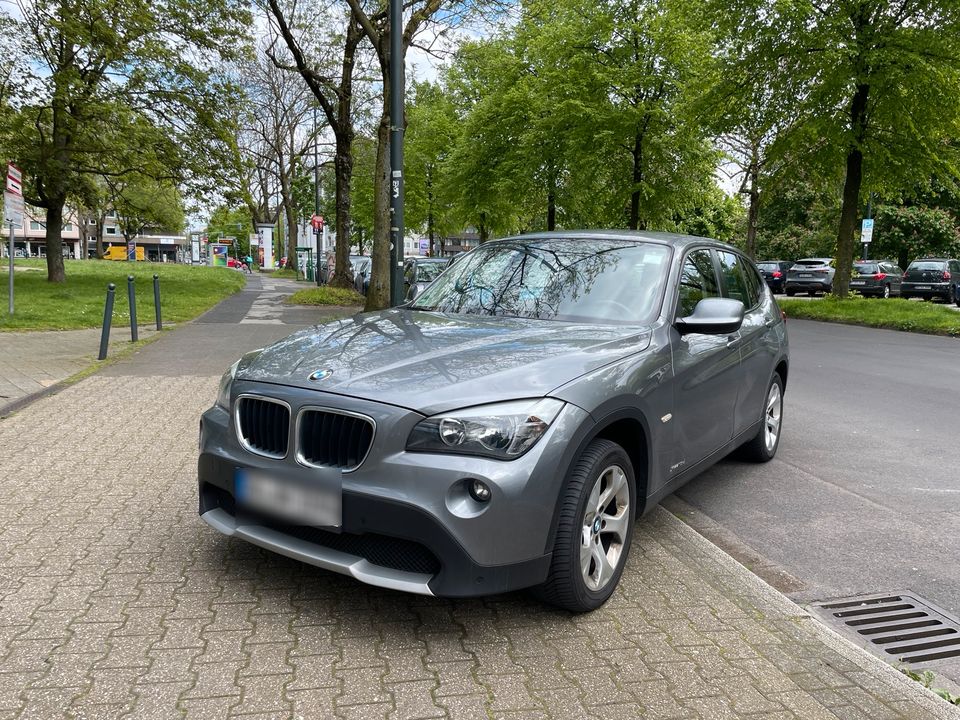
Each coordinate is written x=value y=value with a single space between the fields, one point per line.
x=396 y=151
x=107 y=319
x=866 y=246
x=156 y=300
x=132 y=298
x=10 y=279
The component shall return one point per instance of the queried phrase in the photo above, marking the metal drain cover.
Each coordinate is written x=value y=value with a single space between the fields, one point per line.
x=896 y=626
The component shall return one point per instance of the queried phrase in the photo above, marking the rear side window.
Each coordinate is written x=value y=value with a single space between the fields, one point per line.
x=733 y=270
x=698 y=280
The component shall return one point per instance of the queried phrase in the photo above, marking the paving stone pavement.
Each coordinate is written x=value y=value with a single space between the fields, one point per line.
x=33 y=361
x=116 y=601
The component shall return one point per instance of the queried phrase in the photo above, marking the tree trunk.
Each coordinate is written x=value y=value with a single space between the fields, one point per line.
x=54 y=242
x=551 y=210
x=482 y=229
x=378 y=296
x=343 y=173
x=433 y=249
x=292 y=234
x=634 y=222
x=851 y=192
x=753 y=212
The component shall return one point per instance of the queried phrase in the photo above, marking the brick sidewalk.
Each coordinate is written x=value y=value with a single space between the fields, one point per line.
x=117 y=601
x=33 y=361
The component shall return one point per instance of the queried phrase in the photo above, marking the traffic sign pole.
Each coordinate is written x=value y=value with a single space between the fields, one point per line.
x=10 y=279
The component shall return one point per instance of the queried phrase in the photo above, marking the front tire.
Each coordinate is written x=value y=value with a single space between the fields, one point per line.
x=764 y=444
x=594 y=529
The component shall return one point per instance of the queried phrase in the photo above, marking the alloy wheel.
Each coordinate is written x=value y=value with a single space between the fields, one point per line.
x=604 y=527
x=771 y=417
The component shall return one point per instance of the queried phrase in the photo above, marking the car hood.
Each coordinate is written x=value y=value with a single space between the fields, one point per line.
x=431 y=362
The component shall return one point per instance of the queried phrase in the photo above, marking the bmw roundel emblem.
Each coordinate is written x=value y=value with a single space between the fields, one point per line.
x=321 y=374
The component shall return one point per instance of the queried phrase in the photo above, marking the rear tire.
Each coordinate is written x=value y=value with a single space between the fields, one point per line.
x=886 y=292
x=597 y=509
x=764 y=444
x=791 y=292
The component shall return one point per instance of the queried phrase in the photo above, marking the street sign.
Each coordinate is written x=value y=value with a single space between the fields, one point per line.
x=13 y=209
x=866 y=230
x=14 y=179
x=317 y=223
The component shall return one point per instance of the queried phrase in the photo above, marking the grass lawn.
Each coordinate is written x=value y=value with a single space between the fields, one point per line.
x=325 y=295
x=185 y=292
x=895 y=314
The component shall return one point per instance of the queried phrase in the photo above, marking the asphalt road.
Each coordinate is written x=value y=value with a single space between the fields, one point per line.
x=864 y=494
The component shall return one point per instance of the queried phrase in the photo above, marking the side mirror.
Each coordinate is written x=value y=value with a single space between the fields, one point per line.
x=412 y=293
x=713 y=316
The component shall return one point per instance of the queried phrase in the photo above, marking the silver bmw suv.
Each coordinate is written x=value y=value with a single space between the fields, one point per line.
x=507 y=428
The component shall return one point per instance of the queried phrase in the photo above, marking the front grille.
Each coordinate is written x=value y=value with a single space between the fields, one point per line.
x=334 y=439
x=263 y=426
x=382 y=550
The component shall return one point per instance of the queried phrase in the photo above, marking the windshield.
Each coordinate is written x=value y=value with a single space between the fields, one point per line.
x=427 y=272
x=926 y=266
x=574 y=280
x=768 y=266
x=810 y=263
x=866 y=269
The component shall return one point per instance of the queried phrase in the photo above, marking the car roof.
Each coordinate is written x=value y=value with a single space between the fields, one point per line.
x=676 y=240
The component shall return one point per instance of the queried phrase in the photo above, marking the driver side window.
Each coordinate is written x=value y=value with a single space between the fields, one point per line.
x=698 y=280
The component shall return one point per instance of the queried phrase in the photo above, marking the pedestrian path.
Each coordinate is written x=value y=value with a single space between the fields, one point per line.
x=31 y=362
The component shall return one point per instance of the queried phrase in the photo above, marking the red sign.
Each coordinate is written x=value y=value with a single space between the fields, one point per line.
x=14 y=179
x=317 y=222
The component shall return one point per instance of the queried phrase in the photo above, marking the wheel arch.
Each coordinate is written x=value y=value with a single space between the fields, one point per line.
x=628 y=428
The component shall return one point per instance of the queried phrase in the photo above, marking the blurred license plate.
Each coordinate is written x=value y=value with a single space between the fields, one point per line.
x=858 y=282
x=804 y=275
x=923 y=287
x=314 y=501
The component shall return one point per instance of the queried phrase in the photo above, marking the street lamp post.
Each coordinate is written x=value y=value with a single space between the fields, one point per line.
x=396 y=151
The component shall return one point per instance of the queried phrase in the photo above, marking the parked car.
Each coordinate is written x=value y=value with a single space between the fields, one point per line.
x=932 y=278
x=879 y=278
x=361 y=264
x=418 y=272
x=507 y=428
x=775 y=273
x=810 y=275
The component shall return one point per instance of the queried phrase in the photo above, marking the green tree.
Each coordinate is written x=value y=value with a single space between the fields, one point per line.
x=880 y=86
x=908 y=232
x=94 y=63
x=142 y=202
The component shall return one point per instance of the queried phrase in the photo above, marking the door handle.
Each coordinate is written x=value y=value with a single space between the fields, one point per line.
x=733 y=342
x=770 y=323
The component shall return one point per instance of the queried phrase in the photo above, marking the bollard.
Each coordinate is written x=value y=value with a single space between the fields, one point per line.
x=156 y=300
x=107 y=319
x=132 y=298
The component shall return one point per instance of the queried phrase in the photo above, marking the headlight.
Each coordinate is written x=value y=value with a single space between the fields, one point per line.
x=503 y=431
x=223 y=394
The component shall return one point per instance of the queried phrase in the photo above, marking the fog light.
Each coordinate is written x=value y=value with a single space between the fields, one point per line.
x=479 y=491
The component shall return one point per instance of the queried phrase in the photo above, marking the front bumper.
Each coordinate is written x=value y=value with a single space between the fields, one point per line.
x=405 y=524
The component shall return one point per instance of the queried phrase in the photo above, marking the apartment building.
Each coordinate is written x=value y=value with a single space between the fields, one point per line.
x=29 y=241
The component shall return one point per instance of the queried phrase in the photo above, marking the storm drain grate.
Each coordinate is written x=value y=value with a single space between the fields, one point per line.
x=898 y=626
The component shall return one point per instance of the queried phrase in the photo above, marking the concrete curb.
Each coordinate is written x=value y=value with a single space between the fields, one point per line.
x=885 y=673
